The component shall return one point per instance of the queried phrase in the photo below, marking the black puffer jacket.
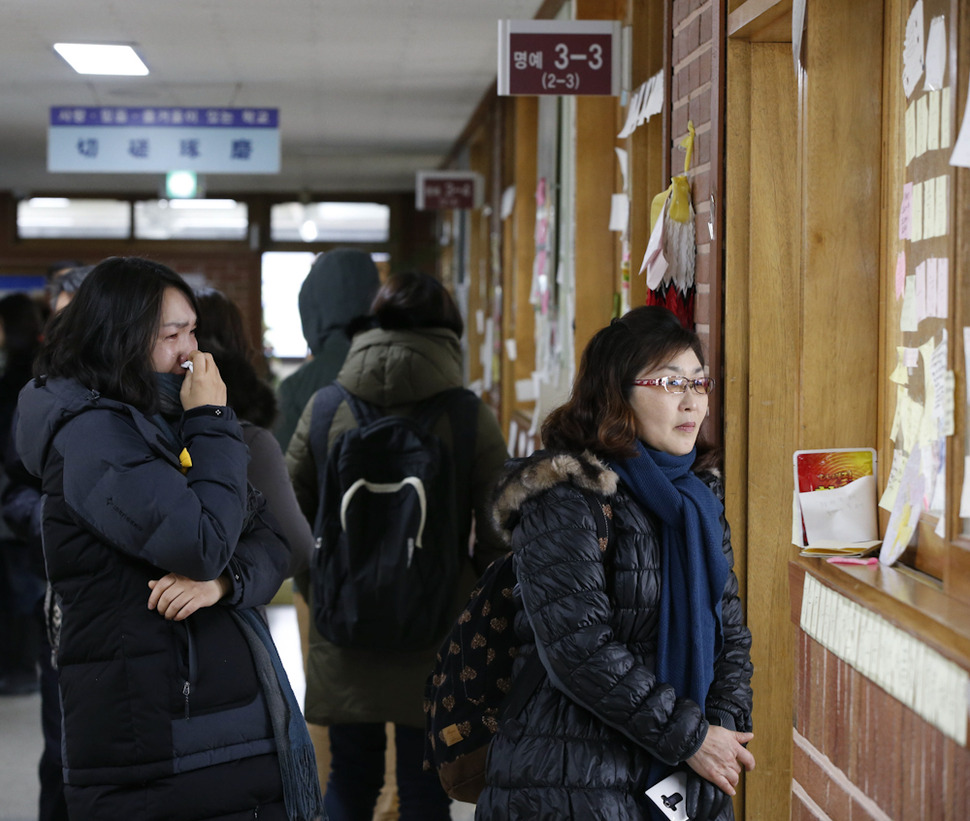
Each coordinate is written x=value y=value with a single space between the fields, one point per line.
x=582 y=745
x=145 y=698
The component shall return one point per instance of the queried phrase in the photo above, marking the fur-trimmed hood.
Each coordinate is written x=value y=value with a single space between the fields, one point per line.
x=535 y=474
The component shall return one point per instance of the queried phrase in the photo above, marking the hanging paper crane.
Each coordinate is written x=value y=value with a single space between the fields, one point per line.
x=672 y=250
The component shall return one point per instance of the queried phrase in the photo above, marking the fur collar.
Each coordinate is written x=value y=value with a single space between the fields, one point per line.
x=544 y=470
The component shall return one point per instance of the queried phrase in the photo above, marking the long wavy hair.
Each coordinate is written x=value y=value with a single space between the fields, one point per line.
x=105 y=336
x=597 y=416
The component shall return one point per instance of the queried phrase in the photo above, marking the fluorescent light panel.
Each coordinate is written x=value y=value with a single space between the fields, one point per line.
x=91 y=58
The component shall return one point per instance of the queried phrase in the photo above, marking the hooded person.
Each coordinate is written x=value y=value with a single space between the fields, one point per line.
x=340 y=287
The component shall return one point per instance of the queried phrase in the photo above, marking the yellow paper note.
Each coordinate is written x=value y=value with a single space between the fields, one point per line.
x=917 y=231
x=933 y=121
x=900 y=374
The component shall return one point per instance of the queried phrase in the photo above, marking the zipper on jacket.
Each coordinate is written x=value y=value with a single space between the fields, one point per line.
x=192 y=661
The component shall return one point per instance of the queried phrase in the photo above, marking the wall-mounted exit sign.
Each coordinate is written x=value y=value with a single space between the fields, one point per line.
x=575 y=57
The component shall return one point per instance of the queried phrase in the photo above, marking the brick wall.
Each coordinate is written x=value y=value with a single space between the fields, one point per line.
x=692 y=98
x=861 y=755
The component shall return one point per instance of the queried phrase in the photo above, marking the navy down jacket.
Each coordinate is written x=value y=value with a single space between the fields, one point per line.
x=145 y=698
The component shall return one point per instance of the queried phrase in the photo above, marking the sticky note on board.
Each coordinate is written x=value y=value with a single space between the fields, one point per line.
x=946 y=137
x=906 y=212
x=941 y=211
x=922 y=125
x=943 y=287
x=900 y=274
x=908 y=320
x=935 y=54
x=900 y=374
x=913 y=52
x=916 y=233
x=933 y=121
x=929 y=208
x=910 y=132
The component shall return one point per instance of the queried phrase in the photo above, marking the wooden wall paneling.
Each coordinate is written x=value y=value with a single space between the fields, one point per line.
x=595 y=254
x=772 y=318
x=734 y=379
x=507 y=403
x=597 y=175
x=956 y=578
x=646 y=146
x=479 y=160
x=841 y=111
x=523 y=228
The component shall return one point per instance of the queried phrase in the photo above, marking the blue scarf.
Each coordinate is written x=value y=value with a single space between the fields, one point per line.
x=693 y=569
x=298 y=764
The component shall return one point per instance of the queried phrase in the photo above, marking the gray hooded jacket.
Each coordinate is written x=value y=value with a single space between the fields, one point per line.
x=340 y=287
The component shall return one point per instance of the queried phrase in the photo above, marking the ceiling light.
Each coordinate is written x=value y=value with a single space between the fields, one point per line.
x=90 y=58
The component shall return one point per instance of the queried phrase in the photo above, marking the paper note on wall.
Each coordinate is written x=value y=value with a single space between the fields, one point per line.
x=965 y=493
x=906 y=511
x=935 y=54
x=916 y=233
x=946 y=139
x=933 y=121
x=922 y=125
x=888 y=498
x=913 y=54
x=910 y=132
x=961 y=151
x=907 y=319
x=941 y=212
x=906 y=212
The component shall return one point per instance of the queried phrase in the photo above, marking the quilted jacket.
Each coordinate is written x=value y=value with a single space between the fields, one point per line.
x=145 y=698
x=582 y=745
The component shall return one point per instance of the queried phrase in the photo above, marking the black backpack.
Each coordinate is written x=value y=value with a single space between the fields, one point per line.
x=471 y=688
x=387 y=528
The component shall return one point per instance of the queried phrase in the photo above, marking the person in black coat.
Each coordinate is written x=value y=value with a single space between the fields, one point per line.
x=641 y=636
x=174 y=702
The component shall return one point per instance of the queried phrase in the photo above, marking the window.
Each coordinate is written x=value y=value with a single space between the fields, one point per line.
x=330 y=222
x=283 y=274
x=63 y=218
x=191 y=219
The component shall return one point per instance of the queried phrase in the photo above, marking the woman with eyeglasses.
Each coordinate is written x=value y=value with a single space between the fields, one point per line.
x=641 y=633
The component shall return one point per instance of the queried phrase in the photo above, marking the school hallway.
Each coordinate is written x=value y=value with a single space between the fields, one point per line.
x=21 y=740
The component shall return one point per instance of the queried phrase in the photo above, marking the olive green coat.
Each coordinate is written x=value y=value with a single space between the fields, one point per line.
x=394 y=370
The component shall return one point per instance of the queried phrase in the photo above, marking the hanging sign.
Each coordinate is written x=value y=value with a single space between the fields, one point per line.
x=574 y=57
x=440 y=190
x=113 y=139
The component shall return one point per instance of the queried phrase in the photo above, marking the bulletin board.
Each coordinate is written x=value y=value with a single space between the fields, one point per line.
x=919 y=267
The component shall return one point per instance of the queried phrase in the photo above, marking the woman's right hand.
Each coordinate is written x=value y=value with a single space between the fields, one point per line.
x=721 y=758
x=202 y=384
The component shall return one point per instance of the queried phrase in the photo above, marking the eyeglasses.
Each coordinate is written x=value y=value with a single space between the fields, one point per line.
x=679 y=384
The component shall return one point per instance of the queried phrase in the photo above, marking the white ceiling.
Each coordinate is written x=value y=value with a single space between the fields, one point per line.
x=369 y=91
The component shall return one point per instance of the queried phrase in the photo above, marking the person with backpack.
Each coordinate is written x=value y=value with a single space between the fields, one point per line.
x=394 y=465
x=645 y=655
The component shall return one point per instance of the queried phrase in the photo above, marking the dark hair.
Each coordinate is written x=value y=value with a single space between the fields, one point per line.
x=67 y=281
x=597 y=416
x=220 y=332
x=23 y=324
x=105 y=336
x=411 y=299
